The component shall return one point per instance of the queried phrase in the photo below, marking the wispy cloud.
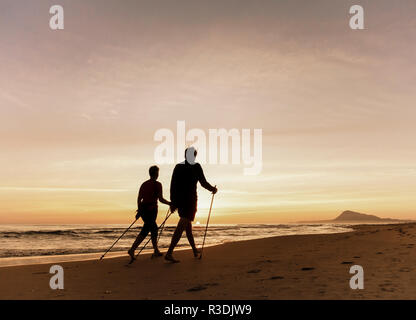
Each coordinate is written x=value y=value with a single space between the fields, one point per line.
x=48 y=189
x=13 y=100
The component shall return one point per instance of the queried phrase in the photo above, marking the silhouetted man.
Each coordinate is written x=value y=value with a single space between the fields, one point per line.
x=184 y=198
x=150 y=192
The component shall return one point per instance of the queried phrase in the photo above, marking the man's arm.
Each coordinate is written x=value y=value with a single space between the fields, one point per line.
x=204 y=183
x=174 y=189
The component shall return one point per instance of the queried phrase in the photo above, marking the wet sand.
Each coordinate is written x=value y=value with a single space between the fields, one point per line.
x=289 y=267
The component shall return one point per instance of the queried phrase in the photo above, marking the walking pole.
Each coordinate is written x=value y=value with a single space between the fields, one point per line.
x=118 y=239
x=206 y=229
x=143 y=247
x=160 y=227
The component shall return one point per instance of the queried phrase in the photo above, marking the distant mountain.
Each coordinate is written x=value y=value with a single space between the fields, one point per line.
x=355 y=217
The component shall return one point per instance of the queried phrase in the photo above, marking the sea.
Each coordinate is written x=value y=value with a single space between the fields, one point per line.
x=33 y=244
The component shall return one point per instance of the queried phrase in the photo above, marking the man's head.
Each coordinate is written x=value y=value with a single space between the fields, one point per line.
x=154 y=172
x=190 y=155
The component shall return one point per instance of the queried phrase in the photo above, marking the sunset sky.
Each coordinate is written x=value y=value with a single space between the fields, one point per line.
x=79 y=107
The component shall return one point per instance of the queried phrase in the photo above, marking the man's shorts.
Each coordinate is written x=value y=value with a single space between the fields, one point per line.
x=188 y=210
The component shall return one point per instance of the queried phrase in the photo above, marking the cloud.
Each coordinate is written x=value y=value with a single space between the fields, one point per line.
x=46 y=189
x=13 y=100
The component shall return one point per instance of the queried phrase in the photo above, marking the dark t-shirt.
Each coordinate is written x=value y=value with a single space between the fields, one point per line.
x=183 y=184
x=150 y=191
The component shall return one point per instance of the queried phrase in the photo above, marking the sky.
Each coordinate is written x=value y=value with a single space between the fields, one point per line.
x=79 y=107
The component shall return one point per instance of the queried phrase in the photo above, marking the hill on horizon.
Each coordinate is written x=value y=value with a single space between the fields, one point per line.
x=357 y=216
x=352 y=216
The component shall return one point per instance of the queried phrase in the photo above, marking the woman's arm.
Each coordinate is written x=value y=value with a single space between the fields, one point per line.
x=161 y=199
x=139 y=198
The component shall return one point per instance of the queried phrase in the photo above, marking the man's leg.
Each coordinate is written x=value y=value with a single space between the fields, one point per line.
x=191 y=240
x=183 y=222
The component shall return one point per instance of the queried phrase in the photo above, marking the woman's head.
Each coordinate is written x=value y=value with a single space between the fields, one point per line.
x=154 y=172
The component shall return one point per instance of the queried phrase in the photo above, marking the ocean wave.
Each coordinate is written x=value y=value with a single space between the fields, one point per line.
x=9 y=234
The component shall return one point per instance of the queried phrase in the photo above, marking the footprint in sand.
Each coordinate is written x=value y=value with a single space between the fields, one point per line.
x=197 y=288
x=254 y=271
x=267 y=261
x=307 y=269
x=203 y=287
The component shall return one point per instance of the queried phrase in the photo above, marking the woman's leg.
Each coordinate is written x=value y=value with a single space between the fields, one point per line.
x=140 y=237
x=154 y=233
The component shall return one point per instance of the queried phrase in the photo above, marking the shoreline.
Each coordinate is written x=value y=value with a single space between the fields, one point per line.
x=284 y=267
x=76 y=257
x=87 y=256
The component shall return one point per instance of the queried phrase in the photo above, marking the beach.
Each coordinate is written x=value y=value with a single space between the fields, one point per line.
x=285 y=267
